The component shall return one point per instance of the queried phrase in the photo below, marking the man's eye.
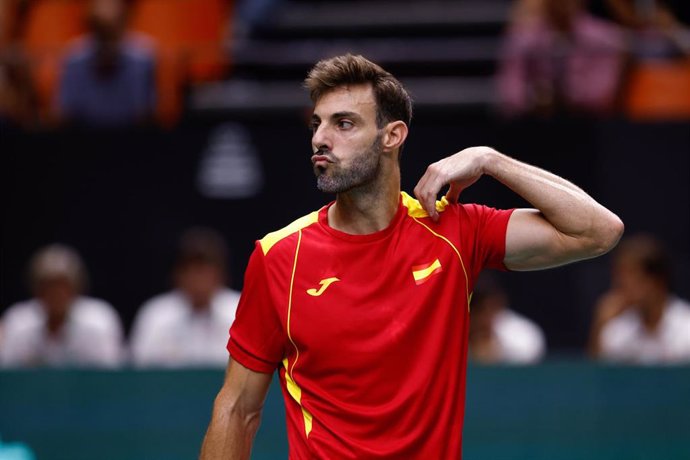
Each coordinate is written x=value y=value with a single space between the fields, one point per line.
x=313 y=126
x=345 y=124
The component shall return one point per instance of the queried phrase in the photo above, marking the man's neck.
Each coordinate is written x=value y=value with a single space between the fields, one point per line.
x=653 y=311
x=367 y=209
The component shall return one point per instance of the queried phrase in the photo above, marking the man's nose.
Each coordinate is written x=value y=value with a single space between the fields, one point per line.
x=320 y=139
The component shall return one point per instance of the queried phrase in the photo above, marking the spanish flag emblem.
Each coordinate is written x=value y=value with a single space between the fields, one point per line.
x=422 y=273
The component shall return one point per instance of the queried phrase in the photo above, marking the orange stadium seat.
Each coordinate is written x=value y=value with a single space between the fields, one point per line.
x=189 y=37
x=49 y=26
x=52 y=23
x=659 y=90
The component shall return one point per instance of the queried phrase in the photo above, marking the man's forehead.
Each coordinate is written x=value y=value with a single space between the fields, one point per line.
x=346 y=98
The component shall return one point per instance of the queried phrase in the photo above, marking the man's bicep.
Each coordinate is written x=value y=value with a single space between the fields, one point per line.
x=532 y=243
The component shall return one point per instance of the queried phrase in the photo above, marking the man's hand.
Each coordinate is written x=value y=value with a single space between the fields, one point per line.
x=610 y=305
x=459 y=171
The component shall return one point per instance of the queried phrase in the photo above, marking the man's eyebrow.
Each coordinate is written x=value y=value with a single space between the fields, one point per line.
x=345 y=115
x=338 y=115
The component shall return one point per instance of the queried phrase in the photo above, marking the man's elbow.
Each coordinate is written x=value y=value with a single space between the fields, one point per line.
x=237 y=412
x=607 y=234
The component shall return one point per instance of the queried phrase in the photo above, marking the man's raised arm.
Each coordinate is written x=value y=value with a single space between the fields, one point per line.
x=567 y=224
x=236 y=414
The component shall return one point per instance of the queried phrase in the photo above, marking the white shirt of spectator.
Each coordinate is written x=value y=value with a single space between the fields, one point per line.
x=168 y=332
x=518 y=339
x=626 y=339
x=92 y=336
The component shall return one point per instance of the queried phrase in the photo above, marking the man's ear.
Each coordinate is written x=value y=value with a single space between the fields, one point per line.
x=394 y=135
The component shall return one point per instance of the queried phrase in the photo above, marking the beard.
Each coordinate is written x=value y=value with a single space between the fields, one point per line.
x=363 y=170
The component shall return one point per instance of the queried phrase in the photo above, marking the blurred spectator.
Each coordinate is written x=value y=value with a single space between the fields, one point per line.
x=498 y=334
x=250 y=16
x=658 y=34
x=60 y=327
x=18 y=102
x=108 y=76
x=12 y=12
x=558 y=58
x=640 y=320
x=189 y=325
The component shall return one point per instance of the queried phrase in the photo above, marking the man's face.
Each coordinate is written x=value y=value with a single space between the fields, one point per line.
x=346 y=141
x=56 y=295
x=630 y=280
x=199 y=281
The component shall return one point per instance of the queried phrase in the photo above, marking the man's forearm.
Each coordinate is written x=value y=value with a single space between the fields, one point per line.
x=230 y=434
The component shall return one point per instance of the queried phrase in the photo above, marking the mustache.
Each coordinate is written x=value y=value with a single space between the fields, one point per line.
x=325 y=151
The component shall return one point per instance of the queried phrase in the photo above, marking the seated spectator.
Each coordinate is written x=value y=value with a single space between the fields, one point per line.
x=109 y=76
x=640 y=320
x=497 y=333
x=60 y=327
x=657 y=33
x=251 y=15
x=18 y=101
x=189 y=325
x=557 y=58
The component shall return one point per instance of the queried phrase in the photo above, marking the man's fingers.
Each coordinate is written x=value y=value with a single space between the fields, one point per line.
x=454 y=192
x=426 y=192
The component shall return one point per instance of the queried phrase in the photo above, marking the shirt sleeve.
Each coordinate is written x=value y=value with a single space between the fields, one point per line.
x=257 y=338
x=489 y=227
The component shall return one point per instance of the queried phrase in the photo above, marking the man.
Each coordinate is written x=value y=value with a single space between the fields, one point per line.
x=499 y=334
x=640 y=320
x=363 y=305
x=59 y=326
x=188 y=326
x=109 y=76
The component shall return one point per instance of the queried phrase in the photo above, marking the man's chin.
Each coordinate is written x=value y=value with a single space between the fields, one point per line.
x=326 y=188
x=326 y=184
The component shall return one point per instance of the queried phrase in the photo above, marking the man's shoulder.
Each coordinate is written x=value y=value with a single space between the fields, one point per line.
x=164 y=303
x=624 y=325
x=679 y=309
x=79 y=50
x=93 y=308
x=225 y=300
x=272 y=240
x=415 y=209
x=443 y=206
x=89 y=313
x=26 y=313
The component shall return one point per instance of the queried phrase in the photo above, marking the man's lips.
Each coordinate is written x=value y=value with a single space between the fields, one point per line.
x=320 y=159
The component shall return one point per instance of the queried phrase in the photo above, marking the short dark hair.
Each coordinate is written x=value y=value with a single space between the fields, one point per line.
x=200 y=245
x=649 y=254
x=392 y=101
x=486 y=287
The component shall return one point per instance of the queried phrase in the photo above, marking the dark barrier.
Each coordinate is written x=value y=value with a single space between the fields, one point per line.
x=555 y=411
x=123 y=197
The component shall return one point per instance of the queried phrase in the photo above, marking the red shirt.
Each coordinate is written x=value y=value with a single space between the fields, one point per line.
x=369 y=332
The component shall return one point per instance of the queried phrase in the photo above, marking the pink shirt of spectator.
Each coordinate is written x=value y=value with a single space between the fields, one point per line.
x=543 y=69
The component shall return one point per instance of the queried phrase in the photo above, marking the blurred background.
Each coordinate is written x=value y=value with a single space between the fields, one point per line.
x=141 y=139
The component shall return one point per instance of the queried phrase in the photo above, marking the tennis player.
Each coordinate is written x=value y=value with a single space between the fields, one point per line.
x=363 y=306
